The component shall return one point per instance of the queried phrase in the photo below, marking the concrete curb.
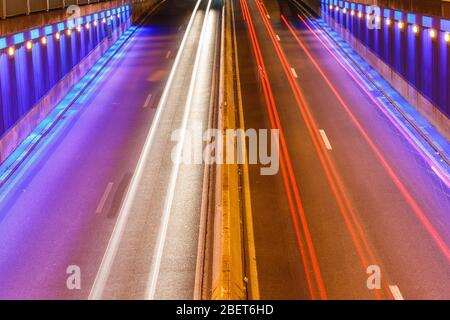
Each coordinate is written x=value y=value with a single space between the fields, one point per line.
x=234 y=261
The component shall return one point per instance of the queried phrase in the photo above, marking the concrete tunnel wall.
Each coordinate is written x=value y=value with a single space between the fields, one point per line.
x=34 y=80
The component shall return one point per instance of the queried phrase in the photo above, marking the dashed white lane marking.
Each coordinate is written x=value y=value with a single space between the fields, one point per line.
x=149 y=99
x=294 y=73
x=168 y=54
x=278 y=38
x=105 y=196
x=268 y=16
x=396 y=292
x=325 y=139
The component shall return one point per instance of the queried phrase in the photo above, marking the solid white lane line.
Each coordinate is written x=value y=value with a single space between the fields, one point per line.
x=278 y=38
x=148 y=100
x=104 y=198
x=396 y=292
x=325 y=139
x=158 y=253
x=105 y=268
x=168 y=54
x=294 y=73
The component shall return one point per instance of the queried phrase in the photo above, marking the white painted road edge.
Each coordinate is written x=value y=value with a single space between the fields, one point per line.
x=105 y=267
x=154 y=273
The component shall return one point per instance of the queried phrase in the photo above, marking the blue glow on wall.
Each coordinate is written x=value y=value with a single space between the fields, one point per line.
x=24 y=102
x=412 y=55
x=444 y=93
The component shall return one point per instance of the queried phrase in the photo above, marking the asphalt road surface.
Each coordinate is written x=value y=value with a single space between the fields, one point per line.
x=66 y=200
x=353 y=194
